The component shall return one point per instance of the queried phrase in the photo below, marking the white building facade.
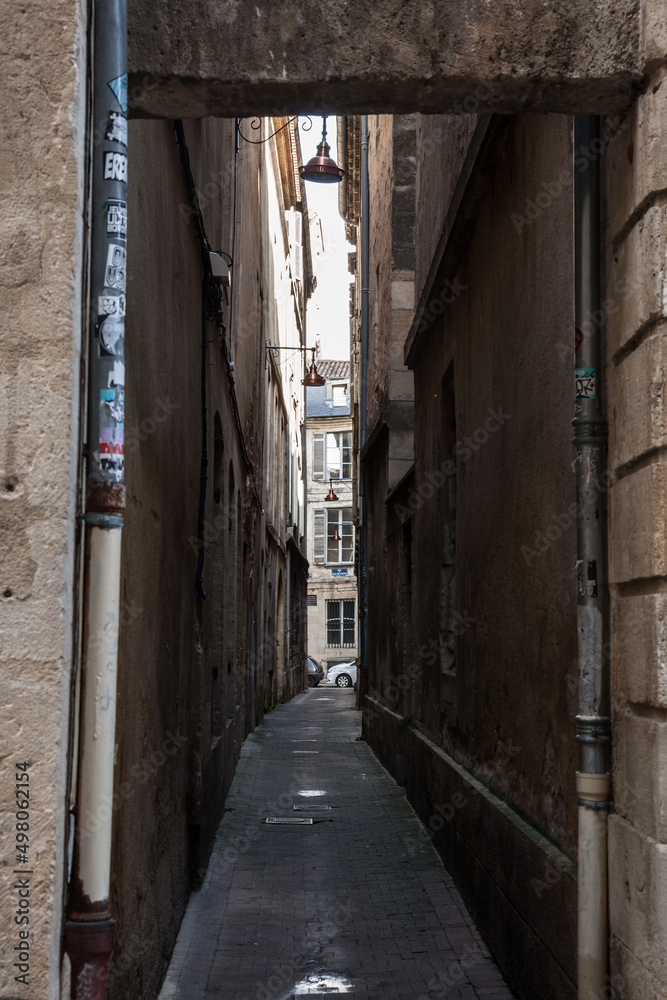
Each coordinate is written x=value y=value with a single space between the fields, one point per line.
x=332 y=584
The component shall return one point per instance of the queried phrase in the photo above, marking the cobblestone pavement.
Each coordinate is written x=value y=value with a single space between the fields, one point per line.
x=357 y=904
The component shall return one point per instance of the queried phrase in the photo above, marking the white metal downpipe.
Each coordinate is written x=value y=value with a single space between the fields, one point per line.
x=89 y=929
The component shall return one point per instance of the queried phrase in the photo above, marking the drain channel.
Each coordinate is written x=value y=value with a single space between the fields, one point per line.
x=288 y=820
x=316 y=807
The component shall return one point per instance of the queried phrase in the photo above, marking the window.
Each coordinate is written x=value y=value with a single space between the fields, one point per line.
x=341 y=623
x=339 y=394
x=332 y=455
x=312 y=601
x=333 y=535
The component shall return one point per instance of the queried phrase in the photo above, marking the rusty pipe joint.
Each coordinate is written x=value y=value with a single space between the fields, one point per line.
x=89 y=944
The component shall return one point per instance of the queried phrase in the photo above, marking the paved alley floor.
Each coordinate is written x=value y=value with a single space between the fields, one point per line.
x=356 y=904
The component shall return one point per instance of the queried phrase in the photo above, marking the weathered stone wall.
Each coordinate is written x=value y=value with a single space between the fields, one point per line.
x=42 y=175
x=260 y=58
x=489 y=674
x=194 y=675
x=635 y=316
x=442 y=144
x=178 y=654
x=380 y=182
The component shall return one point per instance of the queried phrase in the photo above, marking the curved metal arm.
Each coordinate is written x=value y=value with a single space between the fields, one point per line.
x=256 y=124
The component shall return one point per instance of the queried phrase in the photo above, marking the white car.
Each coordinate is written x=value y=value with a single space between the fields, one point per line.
x=343 y=675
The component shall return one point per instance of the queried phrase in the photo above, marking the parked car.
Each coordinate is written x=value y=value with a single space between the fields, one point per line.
x=315 y=672
x=343 y=675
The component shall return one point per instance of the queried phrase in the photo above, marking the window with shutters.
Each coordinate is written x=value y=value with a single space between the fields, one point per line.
x=294 y=221
x=341 y=623
x=340 y=535
x=332 y=455
x=319 y=550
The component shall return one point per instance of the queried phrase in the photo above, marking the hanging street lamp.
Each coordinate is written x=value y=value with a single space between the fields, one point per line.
x=321 y=168
x=313 y=377
x=331 y=496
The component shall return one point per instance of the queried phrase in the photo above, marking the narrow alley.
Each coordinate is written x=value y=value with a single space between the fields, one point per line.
x=333 y=534
x=358 y=902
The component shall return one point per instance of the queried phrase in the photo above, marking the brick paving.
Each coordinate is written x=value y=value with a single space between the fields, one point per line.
x=357 y=904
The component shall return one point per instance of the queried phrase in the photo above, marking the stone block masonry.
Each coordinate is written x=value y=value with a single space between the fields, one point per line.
x=636 y=191
x=42 y=171
x=262 y=58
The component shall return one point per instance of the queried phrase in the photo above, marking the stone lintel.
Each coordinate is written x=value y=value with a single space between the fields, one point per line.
x=215 y=58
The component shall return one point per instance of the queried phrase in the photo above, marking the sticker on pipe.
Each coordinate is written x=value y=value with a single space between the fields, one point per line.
x=116 y=377
x=114 y=275
x=111 y=305
x=111 y=334
x=584 y=383
x=115 y=166
x=112 y=405
x=116 y=130
x=119 y=90
x=112 y=448
x=117 y=218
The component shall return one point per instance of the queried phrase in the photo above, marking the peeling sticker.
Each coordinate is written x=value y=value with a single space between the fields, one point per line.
x=584 y=383
x=117 y=375
x=115 y=166
x=114 y=276
x=111 y=305
x=116 y=130
x=112 y=448
x=112 y=406
x=116 y=218
x=119 y=90
x=111 y=333
x=578 y=338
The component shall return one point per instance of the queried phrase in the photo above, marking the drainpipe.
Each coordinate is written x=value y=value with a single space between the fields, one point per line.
x=89 y=928
x=593 y=724
x=363 y=528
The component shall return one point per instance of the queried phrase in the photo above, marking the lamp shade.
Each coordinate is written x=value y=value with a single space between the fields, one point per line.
x=321 y=168
x=313 y=378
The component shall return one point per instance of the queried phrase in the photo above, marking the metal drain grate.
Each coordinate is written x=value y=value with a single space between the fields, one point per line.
x=288 y=820
x=316 y=807
x=305 y=751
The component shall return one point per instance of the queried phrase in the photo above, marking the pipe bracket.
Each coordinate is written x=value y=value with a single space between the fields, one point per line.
x=103 y=520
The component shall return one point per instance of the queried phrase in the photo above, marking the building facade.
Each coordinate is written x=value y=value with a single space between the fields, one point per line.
x=471 y=678
x=204 y=648
x=332 y=585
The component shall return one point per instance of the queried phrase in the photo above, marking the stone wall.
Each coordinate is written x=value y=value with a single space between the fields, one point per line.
x=195 y=675
x=42 y=183
x=470 y=561
x=636 y=324
x=340 y=58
